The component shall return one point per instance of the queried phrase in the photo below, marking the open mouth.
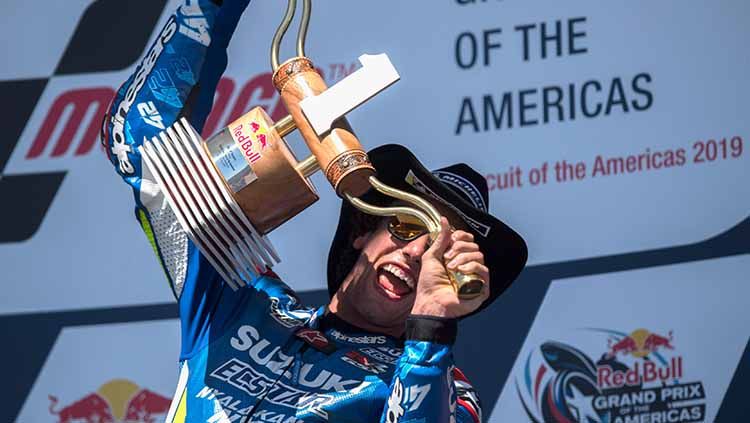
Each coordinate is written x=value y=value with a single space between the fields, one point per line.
x=395 y=282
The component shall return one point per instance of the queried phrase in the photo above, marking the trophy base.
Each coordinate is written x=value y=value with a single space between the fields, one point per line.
x=205 y=206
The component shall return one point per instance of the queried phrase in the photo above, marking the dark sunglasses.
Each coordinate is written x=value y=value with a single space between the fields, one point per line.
x=405 y=231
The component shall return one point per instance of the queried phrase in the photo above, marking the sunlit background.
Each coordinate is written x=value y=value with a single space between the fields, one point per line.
x=613 y=136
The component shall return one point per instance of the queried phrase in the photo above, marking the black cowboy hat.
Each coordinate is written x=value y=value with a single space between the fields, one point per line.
x=458 y=188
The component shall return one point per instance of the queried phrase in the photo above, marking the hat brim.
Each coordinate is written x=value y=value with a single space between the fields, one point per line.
x=504 y=250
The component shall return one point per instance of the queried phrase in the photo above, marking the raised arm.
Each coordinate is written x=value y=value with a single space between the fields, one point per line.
x=177 y=77
x=426 y=384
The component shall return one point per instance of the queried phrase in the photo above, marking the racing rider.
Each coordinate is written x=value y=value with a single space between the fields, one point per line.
x=381 y=349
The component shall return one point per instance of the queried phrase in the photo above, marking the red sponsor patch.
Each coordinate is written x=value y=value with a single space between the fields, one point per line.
x=316 y=339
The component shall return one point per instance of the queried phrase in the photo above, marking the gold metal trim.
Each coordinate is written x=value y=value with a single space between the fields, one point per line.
x=344 y=164
x=290 y=68
x=308 y=166
x=285 y=126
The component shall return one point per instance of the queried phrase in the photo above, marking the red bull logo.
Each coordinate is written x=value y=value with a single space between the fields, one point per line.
x=639 y=377
x=639 y=344
x=252 y=139
x=117 y=401
x=640 y=373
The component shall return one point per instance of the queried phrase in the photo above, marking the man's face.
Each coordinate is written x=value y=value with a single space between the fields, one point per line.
x=381 y=287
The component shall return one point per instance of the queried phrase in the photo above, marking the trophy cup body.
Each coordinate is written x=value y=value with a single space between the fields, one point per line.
x=261 y=171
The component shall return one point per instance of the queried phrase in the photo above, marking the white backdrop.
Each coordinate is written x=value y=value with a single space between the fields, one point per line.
x=653 y=77
x=692 y=56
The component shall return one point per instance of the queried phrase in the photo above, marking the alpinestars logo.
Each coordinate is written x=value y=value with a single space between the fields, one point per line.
x=99 y=43
x=357 y=339
x=120 y=148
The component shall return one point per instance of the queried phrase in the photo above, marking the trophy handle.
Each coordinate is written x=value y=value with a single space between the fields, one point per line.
x=467 y=286
x=284 y=25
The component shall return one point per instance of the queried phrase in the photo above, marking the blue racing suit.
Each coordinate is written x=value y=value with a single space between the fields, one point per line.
x=257 y=354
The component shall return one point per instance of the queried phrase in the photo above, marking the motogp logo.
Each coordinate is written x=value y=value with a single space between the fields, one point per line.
x=68 y=127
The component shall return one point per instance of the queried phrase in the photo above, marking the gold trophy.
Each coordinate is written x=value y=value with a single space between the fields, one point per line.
x=229 y=191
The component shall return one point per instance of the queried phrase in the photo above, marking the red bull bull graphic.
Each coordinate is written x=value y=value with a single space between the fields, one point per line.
x=91 y=408
x=638 y=378
x=639 y=343
x=117 y=401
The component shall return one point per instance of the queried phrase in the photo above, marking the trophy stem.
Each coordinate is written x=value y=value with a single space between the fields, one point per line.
x=281 y=30
x=411 y=198
x=285 y=126
x=304 y=24
x=308 y=166
x=400 y=212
